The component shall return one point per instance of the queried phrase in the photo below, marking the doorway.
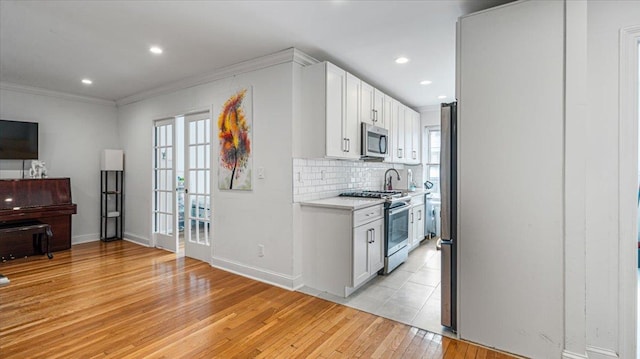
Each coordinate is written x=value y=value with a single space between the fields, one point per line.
x=197 y=189
x=164 y=219
x=181 y=185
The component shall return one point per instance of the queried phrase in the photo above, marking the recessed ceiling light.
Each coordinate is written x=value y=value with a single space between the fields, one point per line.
x=156 y=50
x=425 y=82
x=442 y=97
x=87 y=81
x=402 y=60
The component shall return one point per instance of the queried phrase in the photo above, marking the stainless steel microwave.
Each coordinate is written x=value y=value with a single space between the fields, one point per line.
x=374 y=142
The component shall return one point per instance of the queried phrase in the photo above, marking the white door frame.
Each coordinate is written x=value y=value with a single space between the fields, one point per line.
x=628 y=190
x=163 y=240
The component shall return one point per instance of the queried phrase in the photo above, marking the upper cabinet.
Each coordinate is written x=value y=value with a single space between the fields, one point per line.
x=335 y=103
x=405 y=134
x=412 y=122
x=351 y=122
x=330 y=106
x=397 y=132
x=372 y=106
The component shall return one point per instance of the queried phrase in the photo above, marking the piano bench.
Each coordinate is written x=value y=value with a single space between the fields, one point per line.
x=37 y=230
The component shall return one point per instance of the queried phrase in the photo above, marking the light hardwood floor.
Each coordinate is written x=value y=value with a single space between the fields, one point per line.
x=122 y=300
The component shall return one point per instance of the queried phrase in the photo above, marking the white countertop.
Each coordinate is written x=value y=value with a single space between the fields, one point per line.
x=350 y=203
x=418 y=192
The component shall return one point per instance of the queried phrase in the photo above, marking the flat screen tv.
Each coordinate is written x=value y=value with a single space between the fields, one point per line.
x=18 y=140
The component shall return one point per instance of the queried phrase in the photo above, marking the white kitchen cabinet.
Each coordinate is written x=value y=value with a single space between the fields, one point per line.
x=368 y=251
x=372 y=103
x=351 y=122
x=397 y=132
x=342 y=247
x=378 y=108
x=416 y=221
x=405 y=134
x=330 y=106
x=408 y=135
x=335 y=103
x=387 y=111
x=412 y=117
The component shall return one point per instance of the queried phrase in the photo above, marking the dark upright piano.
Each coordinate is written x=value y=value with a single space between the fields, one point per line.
x=47 y=200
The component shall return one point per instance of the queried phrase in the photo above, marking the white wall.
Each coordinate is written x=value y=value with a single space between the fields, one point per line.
x=510 y=167
x=598 y=320
x=430 y=116
x=72 y=134
x=605 y=19
x=241 y=220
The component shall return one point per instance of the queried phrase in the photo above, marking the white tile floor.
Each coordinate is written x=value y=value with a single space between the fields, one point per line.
x=410 y=294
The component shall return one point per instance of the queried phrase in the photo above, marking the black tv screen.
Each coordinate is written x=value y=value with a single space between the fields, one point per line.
x=18 y=140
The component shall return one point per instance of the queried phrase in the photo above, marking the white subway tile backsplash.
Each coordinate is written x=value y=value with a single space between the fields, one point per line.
x=320 y=178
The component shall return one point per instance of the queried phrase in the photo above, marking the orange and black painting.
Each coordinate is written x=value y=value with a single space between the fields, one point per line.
x=234 y=132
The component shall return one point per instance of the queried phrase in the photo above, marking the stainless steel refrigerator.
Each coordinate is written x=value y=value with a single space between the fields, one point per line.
x=448 y=213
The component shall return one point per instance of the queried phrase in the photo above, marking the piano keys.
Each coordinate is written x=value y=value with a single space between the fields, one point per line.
x=47 y=200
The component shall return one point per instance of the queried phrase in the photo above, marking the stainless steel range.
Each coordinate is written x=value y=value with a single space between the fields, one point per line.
x=396 y=223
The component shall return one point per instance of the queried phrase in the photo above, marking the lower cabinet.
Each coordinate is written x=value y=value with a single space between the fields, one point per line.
x=416 y=222
x=368 y=251
x=342 y=248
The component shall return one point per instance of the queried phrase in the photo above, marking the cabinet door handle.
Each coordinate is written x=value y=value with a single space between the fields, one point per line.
x=419 y=214
x=399 y=152
x=415 y=154
x=411 y=217
x=348 y=145
x=373 y=234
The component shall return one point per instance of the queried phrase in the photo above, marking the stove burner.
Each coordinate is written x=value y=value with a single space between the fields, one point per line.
x=371 y=194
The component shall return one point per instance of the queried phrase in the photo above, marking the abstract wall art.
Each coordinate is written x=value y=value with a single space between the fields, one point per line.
x=235 y=122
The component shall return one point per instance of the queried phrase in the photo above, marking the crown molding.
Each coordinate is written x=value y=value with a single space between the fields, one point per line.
x=8 y=86
x=429 y=108
x=302 y=58
x=288 y=55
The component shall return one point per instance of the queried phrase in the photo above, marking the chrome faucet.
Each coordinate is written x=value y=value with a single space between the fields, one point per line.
x=387 y=184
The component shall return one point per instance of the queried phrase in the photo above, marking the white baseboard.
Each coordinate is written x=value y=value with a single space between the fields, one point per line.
x=601 y=353
x=278 y=279
x=298 y=282
x=85 y=238
x=137 y=239
x=570 y=355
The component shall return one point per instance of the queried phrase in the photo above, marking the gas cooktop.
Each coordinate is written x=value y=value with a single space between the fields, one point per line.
x=372 y=194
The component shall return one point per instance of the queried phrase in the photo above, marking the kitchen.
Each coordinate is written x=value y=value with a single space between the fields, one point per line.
x=524 y=274
x=360 y=215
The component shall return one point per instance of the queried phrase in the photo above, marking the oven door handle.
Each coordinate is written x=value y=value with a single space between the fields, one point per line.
x=397 y=210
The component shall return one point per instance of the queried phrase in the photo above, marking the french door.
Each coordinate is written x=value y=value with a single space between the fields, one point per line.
x=197 y=212
x=164 y=195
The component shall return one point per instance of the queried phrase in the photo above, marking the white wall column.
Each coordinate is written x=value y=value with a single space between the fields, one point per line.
x=575 y=179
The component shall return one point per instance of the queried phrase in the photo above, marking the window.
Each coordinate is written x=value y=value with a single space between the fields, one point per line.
x=432 y=163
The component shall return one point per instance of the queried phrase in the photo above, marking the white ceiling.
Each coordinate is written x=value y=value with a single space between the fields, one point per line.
x=54 y=44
